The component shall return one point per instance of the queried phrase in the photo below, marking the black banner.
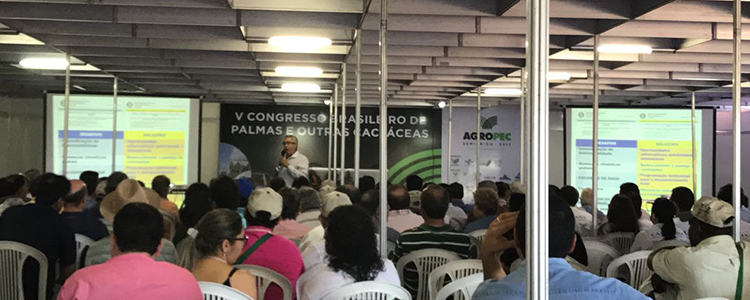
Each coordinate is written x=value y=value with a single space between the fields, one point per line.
x=251 y=137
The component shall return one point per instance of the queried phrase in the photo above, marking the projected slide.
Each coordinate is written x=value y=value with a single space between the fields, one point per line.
x=651 y=147
x=154 y=136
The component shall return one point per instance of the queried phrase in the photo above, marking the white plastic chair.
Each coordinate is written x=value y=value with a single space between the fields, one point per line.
x=12 y=257
x=368 y=290
x=636 y=264
x=215 y=291
x=621 y=241
x=82 y=242
x=425 y=260
x=466 y=286
x=264 y=277
x=600 y=255
x=454 y=270
x=479 y=234
x=646 y=287
x=669 y=243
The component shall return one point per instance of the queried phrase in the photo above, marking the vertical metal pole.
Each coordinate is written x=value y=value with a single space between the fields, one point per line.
x=736 y=116
x=527 y=133
x=537 y=230
x=67 y=117
x=478 y=174
x=114 y=125
x=595 y=142
x=330 y=139
x=357 y=107
x=693 y=144
x=522 y=104
x=450 y=139
x=383 y=126
x=343 y=123
x=335 y=129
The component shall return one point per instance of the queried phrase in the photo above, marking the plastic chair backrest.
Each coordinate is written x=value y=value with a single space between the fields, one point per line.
x=636 y=264
x=215 y=291
x=479 y=234
x=600 y=255
x=264 y=277
x=12 y=257
x=82 y=242
x=668 y=243
x=368 y=290
x=425 y=260
x=454 y=270
x=621 y=241
x=462 y=288
x=646 y=287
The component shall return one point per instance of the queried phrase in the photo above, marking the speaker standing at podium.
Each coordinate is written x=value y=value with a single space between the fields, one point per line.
x=292 y=164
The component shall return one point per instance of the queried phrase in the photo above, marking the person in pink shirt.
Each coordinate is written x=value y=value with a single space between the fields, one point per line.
x=288 y=226
x=132 y=272
x=263 y=248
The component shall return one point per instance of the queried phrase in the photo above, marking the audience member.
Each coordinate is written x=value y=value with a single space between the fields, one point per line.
x=277 y=184
x=245 y=187
x=312 y=245
x=620 y=217
x=725 y=194
x=325 y=190
x=309 y=207
x=434 y=233
x=400 y=217
x=709 y=268
x=664 y=229
x=40 y=226
x=489 y=184
x=225 y=192
x=554 y=190
x=516 y=202
x=132 y=273
x=196 y=204
x=314 y=179
x=110 y=185
x=485 y=209
x=352 y=248
x=265 y=249
x=503 y=190
x=564 y=282
x=683 y=200
x=213 y=246
x=288 y=226
x=366 y=183
x=91 y=178
x=354 y=195
x=128 y=191
x=456 y=191
x=300 y=182
x=13 y=191
x=80 y=222
x=516 y=187
x=584 y=220
x=162 y=185
x=455 y=216
x=414 y=187
x=587 y=202
x=644 y=220
x=371 y=205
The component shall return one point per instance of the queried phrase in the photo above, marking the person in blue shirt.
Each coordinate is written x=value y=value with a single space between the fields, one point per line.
x=565 y=283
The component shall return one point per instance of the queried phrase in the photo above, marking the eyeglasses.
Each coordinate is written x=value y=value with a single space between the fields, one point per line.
x=291 y=143
x=243 y=239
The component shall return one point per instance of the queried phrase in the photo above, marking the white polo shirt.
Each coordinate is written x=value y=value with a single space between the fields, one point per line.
x=647 y=238
x=321 y=280
x=298 y=167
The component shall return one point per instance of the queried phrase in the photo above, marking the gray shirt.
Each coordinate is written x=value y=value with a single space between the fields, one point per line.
x=99 y=252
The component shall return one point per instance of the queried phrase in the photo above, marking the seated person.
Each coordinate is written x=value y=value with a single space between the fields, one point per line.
x=309 y=207
x=620 y=217
x=455 y=216
x=584 y=220
x=683 y=199
x=196 y=204
x=485 y=209
x=664 y=229
x=352 y=247
x=213 y=246
x=400 y=216
x=587 y=202
x=434 y=233
x=288 y=226
x=564 y=282
x=711 y=266
x=40 y=226
x=314 y=242
x=371 y=205
x=81 y=223
x=128 y=191
x=13 y=191
x=132 y=273
x=162 y=185
x=265 y=249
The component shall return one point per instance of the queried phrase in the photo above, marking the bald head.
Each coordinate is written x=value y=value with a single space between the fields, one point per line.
x=398 y=197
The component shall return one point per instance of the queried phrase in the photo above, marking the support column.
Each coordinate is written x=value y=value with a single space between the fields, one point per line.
x=595 y=142
x=693 y=145
x=335 y=129
x=522 y=104
x=478 y=174
x=343 y=123
x=66 y=118
x=330 y=139
x=383 y=131
x=736 y=116
x=450 y=140
x=357 y=107
x=114 y=125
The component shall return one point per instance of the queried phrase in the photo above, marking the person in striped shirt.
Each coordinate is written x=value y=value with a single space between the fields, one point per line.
x=433 y=234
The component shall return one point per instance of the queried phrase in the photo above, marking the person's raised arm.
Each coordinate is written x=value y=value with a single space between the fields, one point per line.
x=494 y=243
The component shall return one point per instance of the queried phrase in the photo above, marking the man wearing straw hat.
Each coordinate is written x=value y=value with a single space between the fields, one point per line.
x=128 y=191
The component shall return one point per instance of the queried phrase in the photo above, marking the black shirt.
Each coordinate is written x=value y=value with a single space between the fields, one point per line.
x=39 y=226
x=85 y=224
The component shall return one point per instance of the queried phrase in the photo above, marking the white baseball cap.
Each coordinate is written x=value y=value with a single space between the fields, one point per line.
x=265 y=199
x=331 y=201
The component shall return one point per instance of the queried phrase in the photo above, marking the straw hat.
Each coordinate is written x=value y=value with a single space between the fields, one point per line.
x=128 y=191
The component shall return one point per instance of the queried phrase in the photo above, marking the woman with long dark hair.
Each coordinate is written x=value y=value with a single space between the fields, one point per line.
x=620 y=217
x=351 y=246
x=664 y=229
x=196 y=205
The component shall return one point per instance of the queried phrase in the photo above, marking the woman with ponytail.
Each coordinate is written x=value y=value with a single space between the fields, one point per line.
x=664 y=229
x=213 y=246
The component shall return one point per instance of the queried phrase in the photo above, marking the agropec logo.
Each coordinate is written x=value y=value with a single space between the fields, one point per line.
x=488 y=124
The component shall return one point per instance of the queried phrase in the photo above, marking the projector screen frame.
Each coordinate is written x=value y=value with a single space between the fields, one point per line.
x=610 y=106
x=46 y=97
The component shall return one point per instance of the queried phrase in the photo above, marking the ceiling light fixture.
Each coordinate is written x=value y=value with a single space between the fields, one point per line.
x=625 y=49
x=503 y=92
x=441 y=104
x=299 y=43
x=79 y=87
x=327 y=102
x=40 y=63
x=300 y=87
x=562 y=76
x=299 y=71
